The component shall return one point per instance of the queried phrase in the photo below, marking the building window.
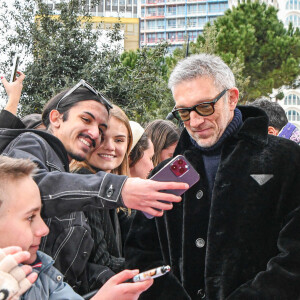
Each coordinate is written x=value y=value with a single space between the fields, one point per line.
x=294 y=19
x=202 y=8
x=160 y=11
x=211 y=19
x=192 y=8
x=151 y=37
x=160 y=36
x=180 y=10
x=293 y=115
x=107 y=5
x=292 y=99
x=160 y=24
x=292 y=5
x=151 y=11
x=172 y=10
x=181 y=23
x=213 y=7
x=223 y=6
x=171 y=36
x=172 y=23
x=180 y=36
x=150 y=24
x=193 y=35
x=202 y=21
x=192 y=22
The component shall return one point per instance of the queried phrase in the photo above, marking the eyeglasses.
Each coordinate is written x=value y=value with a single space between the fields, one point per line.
x=83 y=83
x=203 y=109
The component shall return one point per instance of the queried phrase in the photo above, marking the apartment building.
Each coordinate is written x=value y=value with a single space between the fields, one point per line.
x=176 y=20
x=109 y=12
x=289 y=11
x=269 y=2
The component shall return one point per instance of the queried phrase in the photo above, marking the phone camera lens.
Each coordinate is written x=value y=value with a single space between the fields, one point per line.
x=174 y=167
x=180 y=161
x=181 y=170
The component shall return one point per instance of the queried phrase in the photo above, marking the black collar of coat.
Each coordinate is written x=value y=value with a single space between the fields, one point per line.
x=254 y=129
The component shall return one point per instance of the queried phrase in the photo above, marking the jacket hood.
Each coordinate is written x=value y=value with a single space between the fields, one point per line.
x=8 y=135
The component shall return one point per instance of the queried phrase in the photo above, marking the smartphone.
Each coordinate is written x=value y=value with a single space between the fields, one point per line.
x=153 y=273
x=179 y=169
x=14 y=69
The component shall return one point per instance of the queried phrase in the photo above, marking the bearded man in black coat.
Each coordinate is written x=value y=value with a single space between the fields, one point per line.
x=236 y=234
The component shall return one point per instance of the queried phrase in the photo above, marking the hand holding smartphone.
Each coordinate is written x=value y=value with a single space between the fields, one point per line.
x=179 y=169
x=153 y=273
x=14 y=69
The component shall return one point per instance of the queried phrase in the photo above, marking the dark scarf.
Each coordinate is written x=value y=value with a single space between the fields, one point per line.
x=212 y=155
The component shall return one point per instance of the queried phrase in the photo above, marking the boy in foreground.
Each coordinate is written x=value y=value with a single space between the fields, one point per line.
x=21 y=225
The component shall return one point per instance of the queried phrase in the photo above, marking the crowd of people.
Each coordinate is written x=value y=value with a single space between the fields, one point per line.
x=74 y=191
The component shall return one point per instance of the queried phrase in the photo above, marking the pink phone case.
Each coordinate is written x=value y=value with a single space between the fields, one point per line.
x=178 y=169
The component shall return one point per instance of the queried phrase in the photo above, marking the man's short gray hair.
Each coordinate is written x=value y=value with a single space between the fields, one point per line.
x=202 y=65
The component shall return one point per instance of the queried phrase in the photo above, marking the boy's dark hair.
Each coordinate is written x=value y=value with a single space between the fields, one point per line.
x=138 y=150
x=13 y=169
x=275 y=113
x=80 y=94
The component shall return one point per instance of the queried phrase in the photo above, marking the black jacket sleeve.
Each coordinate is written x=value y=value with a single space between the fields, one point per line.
x=64 y=192
x=9 y=120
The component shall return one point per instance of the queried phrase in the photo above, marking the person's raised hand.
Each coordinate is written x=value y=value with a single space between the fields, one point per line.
x=13 y=278
x=13 y=91
x=116 y=289
x=145 y=195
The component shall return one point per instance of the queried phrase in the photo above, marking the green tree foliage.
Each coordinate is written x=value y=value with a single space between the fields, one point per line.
x=142 y=88
x=270 y=53
x=136 y=81
x=58 y=49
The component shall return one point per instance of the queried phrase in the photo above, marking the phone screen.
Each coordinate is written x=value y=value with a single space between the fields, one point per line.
x=14 y=69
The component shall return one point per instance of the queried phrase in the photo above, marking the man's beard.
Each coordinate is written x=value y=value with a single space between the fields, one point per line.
x=76 y=156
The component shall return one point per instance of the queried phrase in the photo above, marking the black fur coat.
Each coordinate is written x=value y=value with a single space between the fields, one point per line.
x=244 y=243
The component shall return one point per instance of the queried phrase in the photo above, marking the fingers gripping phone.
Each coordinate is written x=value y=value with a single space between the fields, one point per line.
x=179 y=169
x=153 y=273
x=14 y=69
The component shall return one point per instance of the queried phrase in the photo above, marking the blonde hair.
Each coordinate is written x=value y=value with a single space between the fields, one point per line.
x=118 y=113
x=123 y=168
x=12 y=169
